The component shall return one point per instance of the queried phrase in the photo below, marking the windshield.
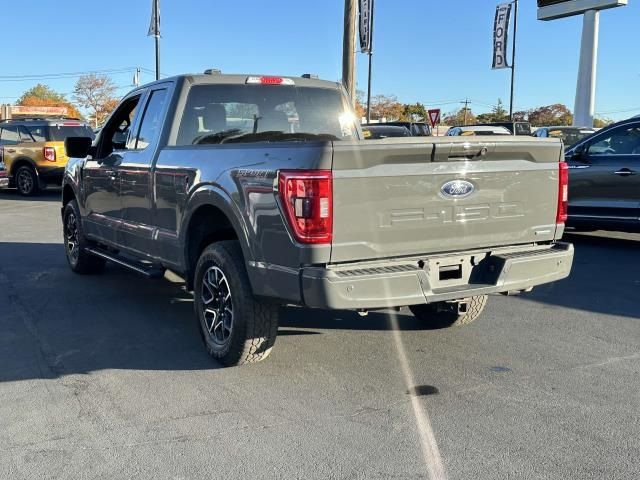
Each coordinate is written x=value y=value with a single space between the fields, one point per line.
x=217 y=114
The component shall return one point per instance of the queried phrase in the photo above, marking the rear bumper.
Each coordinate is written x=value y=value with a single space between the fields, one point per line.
x=51 y=175
x=404 y=282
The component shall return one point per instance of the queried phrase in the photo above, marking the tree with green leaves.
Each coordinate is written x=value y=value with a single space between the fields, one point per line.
x=601 y=122
x=416 y=112
x=458 y=118
x=497 y=114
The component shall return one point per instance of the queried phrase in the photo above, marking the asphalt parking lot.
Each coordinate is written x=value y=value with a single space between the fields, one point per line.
x=105 y=377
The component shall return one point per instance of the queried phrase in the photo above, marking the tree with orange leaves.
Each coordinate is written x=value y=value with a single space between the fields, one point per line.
x=43 y=96
x=96 y=92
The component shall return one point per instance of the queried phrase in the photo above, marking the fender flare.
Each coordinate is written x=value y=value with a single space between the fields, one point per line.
x=212 y=195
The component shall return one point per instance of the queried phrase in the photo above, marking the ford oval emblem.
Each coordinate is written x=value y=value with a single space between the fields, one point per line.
x=457 y=189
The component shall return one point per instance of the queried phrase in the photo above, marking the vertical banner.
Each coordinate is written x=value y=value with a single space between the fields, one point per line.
x=154 y=26
x=365 y=25
x=500 y=32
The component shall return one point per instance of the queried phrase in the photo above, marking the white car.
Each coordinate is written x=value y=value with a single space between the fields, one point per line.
x=477 y=130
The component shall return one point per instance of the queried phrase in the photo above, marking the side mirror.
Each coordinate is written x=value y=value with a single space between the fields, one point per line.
x=77 y=147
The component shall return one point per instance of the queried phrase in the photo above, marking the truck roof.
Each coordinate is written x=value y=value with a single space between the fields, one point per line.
x=241 y=79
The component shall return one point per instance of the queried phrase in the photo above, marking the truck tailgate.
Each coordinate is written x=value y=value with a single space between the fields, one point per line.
x=394 y=197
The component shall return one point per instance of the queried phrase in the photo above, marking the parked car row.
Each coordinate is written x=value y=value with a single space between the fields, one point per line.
x=604 y=165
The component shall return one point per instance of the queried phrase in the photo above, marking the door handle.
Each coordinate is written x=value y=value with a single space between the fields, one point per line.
x=113 y=175
x=11 y=150
x=625 y=172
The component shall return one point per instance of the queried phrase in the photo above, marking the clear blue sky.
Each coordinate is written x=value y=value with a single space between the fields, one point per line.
x=432 y=51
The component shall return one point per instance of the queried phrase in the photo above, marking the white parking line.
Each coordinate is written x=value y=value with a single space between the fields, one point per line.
x=430 y=451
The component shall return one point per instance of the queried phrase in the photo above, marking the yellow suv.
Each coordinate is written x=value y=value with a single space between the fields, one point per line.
x=33 y=150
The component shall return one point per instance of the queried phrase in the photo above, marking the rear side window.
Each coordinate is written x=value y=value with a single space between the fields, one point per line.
x=219 y=114
x=152 y=119
x=9 y=136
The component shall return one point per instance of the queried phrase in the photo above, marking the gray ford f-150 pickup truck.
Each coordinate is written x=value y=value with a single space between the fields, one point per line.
x=259 y=191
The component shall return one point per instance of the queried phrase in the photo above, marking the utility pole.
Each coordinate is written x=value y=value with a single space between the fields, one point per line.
x=154 y=30
x=513 y=57
x=466 y=109
x=348 y=49
x=370 y=55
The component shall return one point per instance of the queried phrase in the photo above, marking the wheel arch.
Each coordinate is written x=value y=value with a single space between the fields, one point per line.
x=68 y=194
x=211 y=216
x=21 y=161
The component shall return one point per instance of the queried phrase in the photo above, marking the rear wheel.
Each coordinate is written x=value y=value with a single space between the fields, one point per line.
x=450 y=314
x=26 y=181
x=236 y=327
x=75 y=244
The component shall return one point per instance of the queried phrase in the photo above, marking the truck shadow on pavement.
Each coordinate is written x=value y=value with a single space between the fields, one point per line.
x=605 y=277
x=54 y=323
x=48 y=195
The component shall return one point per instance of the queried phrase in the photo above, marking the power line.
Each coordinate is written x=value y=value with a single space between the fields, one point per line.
x=620 y=111
x=118 y=87
x=62 y=75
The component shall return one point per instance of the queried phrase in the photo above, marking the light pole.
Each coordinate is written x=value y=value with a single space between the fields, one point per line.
x=586 y=88
x=513 y=57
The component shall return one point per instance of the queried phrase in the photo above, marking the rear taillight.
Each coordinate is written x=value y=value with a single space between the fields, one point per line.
x=307 y=200
x=563 y=193
x=49 y=154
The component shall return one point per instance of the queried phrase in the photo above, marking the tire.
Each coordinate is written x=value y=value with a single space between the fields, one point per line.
x=235 y=327
x=27 y=181
x=444 y=315
x=75 y=244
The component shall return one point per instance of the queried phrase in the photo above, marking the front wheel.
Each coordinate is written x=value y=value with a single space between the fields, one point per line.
x=80 y=261
x=236 y=328
x=450 y=314
x=26 y=181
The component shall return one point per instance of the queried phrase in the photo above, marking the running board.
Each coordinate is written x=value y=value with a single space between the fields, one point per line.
x=149 y=271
